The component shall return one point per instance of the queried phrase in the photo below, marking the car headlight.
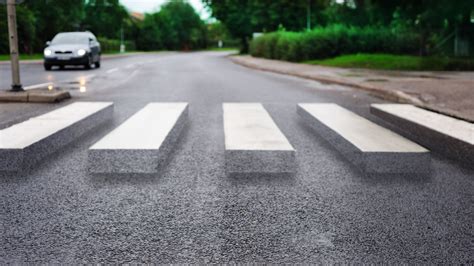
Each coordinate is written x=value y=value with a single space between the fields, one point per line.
x=81 y=52
x=48 y=52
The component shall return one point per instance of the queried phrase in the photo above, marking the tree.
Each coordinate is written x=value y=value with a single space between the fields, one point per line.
x=105 y=18
x=429 y=18
x=53 y=16
x=184 y=28
x=244 y=17
x=27 y=32
x=150 y=37
x=176 y=26
x=216 y=31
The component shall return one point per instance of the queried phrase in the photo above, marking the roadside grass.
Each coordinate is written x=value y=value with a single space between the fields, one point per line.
x=222 y=49
x=6 y=57
x=396 y=62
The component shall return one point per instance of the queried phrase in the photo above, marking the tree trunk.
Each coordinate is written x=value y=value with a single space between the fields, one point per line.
x=244 y=49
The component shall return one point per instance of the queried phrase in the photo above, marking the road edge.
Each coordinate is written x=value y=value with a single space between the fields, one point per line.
x=389 y=95
x=104 y=56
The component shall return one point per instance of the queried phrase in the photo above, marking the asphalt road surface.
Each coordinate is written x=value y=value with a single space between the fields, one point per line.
x=192 y=212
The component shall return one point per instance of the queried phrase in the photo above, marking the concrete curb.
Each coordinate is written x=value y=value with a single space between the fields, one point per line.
x=34 y=96
x=398 y=96
x=389 y=95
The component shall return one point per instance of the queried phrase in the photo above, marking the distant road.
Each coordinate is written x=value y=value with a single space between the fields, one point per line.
x=33 y=73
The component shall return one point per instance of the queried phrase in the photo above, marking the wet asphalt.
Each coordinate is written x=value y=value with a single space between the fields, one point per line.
x=192 y=212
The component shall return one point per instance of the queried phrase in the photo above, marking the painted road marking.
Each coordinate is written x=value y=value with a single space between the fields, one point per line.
x=253 y=142
x=366 y=144
x=110 y=71
x=142 y=143
x=38 y=86
x=431 y=129
x=25 y=143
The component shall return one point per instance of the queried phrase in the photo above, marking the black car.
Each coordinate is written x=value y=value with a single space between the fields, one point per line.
x=72 y=48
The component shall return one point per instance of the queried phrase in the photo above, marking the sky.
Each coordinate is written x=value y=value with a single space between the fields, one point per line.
x=143 y=6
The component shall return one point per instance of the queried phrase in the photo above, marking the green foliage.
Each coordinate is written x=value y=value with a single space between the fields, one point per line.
x=50 y=17
x=4 y=48
x=105 y=18
x=432 y=20
x=218 y=32
x=176 y=26
x=26 y=21
x=396 y=62
x=150 y=37
x=243 y=17
x=113 y=46
x=6 y=57
x=333 y=41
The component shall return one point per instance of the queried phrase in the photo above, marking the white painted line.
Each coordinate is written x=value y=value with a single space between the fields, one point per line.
x=147 y=129
x=443 y=134
x=253 y=142
x=362 y=133
x=368 y=145
x=31 y=140
x=35 y=129
x=37 y=86
x=110 y=71
x=455 y=128
x=139 y=144
x=248 y=126
x=83 y=79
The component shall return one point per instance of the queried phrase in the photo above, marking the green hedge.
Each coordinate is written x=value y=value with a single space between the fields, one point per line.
x=332 y=41
x=111 y=46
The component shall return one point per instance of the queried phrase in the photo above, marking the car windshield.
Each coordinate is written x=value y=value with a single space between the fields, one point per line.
x=70 y=38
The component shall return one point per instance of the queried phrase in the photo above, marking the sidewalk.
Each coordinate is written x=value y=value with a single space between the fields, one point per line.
x=450 y=93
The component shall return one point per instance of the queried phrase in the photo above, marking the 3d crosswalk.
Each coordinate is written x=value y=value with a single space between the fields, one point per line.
x=26 y=143
x=253 y=142
x=367 y=145
x=430 y=129
x=142 y=143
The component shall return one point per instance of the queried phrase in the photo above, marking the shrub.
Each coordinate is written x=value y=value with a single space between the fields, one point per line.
x=110 y=46
x=332 y=41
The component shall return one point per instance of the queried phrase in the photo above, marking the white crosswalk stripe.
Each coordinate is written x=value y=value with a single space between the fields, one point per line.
x=253 y=142
x=26 y=143
x=430 y=129
x=141 y=143
x=369 y=146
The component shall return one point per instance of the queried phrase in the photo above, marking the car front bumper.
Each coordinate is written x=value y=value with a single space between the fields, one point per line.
x=73 y=60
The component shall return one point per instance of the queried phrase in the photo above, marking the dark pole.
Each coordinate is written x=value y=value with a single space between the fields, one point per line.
x=308 y=15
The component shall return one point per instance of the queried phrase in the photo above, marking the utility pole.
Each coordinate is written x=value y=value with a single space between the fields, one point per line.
x=308 y=15
x=13 y=39
x=122 y=44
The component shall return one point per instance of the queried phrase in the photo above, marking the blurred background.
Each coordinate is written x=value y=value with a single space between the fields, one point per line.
x=423 y=34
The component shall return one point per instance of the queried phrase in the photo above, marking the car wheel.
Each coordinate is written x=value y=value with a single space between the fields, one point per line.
x=97 y=64
x=47 y=67
x=88 y=64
